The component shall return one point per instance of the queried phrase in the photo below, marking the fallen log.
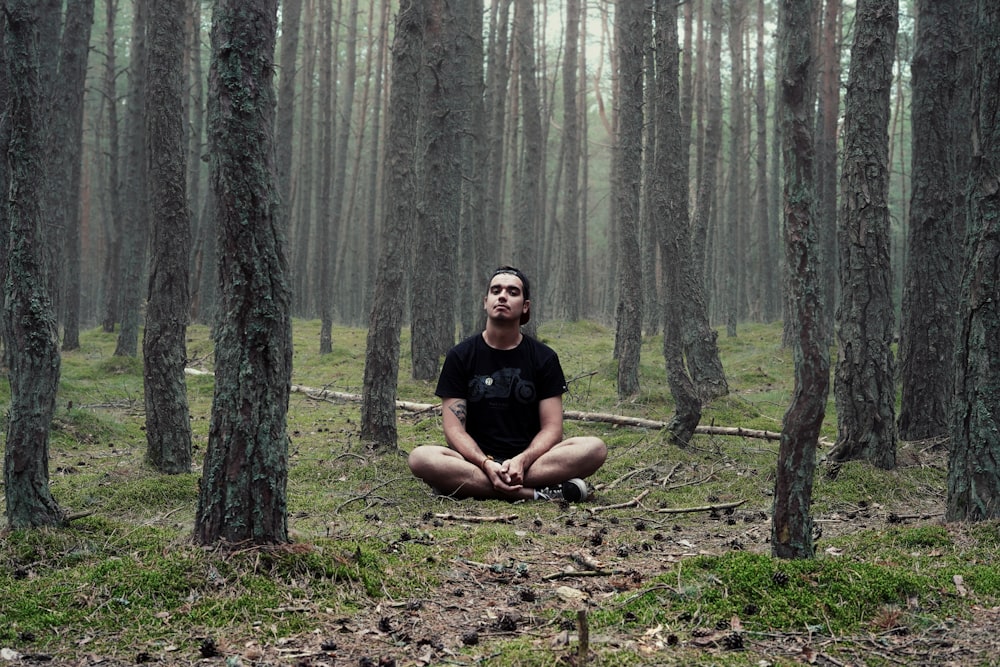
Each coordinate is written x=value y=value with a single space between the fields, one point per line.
x=575 y=415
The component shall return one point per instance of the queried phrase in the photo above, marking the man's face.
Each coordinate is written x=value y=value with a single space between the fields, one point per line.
x=505 y=298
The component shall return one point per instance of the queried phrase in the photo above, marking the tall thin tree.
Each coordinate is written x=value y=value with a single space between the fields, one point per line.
x=164 y=346
x=669 y=201
x=629 y=25
x=378 y=406
x=68 y=102
x=136 y=204
x=791 y=525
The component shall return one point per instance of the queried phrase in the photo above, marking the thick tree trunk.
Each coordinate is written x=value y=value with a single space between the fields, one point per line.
x=243 y=487
x=30 y=336
x=864 y=382
x=941 y=118
x=378 y=408
x=974 y=462
x=164 y=349
x=791 y=524
x=433 y=312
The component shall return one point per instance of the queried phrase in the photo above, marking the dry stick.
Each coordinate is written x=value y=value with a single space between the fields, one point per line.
x=477 y=519
x=583 y=649
x=702 y=508
x=629 y=503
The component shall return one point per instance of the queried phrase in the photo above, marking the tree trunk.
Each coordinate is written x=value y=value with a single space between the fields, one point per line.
x=698 y=338
x=973 y=470
x=572 y=301
x=864 y=382
x=827 y=131
x=527 y=210
x=731 y=274
x=629 y=26
x=327 y=217
x=112 y=274
x=791 y=524
x=284 y=136
x=768 y=301
x=203 y=269
x=707 y=178
x=168 y=423
x=72 y=81
x=243 y=487
x=303 y=227
x=136 y=204
x=378 y=407
x=941 y=131
x=670 y=208
x=30 y=335
x=432 y=313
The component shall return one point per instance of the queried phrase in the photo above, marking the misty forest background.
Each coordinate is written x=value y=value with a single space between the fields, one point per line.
x=332 y=77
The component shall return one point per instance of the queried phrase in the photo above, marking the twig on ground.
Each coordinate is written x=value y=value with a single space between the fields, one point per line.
x=700 y=508
x=476 y=519
x=629 y=503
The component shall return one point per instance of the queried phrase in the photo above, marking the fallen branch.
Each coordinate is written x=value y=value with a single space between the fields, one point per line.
x=575 y=415
x=628 y=503
x=702 y=508
x=477 y=519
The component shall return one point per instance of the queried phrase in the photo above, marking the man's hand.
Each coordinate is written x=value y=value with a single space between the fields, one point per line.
x=512 y=471
x=503 y=479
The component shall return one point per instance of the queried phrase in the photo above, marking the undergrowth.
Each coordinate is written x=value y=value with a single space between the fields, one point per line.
x=125 y=581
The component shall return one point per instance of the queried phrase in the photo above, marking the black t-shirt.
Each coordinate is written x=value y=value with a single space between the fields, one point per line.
x=502 y=389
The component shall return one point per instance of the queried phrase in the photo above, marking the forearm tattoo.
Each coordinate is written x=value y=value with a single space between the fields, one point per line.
x=458 y=409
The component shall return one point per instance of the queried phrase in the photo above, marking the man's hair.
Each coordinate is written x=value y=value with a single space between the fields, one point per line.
x=514 y=272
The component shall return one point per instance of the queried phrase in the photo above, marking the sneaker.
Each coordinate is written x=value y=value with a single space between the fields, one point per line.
x=572 y=491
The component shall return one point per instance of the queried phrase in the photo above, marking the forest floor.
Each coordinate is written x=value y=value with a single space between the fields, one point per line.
x=668 y=563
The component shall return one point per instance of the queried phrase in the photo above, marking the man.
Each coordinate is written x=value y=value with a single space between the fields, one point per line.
x=501 y=397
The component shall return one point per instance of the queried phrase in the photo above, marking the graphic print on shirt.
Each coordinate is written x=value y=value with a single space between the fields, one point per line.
x=505 y=383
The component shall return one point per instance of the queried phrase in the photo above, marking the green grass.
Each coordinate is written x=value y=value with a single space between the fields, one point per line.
x=372 y=547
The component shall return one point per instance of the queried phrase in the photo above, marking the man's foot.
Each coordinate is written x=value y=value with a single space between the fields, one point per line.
x=572 y=491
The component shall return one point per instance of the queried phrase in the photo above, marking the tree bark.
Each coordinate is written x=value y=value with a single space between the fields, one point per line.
x=112 y=274
x=432 y=313
x=378 y=408
x=30 y=335
x=243 y=487
x=136 y=204
x=164 y=348
x=791 y=524
x=670 y=207
x=527 y=208
x=974 y=461
x=941 y=130
x=864 y=381
x=72 y=81
x=629 y=26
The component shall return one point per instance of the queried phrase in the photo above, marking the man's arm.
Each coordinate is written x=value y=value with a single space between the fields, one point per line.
x=453 y=415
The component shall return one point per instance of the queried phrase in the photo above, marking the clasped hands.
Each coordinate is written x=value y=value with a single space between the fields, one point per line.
x=506 y=476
